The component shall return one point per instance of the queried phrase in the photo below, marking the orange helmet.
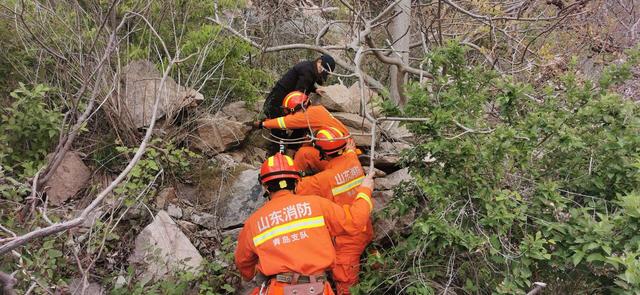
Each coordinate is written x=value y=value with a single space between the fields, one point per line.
x=278 y=166
x=294 y=100
x=330 y=140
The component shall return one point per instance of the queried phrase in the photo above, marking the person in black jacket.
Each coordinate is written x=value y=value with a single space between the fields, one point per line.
x=302 y=77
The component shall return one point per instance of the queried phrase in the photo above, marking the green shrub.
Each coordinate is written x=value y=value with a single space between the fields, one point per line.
x=28 y=130
x=527 y=185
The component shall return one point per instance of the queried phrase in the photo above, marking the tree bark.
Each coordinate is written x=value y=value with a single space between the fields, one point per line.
x=400 y=30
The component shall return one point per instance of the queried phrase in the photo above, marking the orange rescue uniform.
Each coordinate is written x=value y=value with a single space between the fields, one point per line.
x=314 y=117
x=292 y=233
x=339 y=183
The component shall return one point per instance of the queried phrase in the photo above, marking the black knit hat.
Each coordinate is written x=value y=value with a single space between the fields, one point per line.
x=328 y=62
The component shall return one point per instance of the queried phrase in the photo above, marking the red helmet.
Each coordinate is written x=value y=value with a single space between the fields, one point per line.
x=278 y=166
x=294 y=100
x=330 y=140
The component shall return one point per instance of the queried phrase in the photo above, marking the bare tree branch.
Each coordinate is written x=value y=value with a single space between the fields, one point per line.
x=370 y=80
x=62 y=226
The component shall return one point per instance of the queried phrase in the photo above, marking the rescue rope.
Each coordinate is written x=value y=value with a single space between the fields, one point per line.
x=299 y=140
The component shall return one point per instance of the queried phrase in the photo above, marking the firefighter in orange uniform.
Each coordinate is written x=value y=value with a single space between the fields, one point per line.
x=300 y=115
x=339 y=183
x=289 y=239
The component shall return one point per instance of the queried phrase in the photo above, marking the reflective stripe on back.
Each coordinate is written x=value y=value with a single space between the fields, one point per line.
x=289 y=227
x=347 y=186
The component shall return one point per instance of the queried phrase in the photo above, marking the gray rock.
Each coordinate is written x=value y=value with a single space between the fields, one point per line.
x=141 y=86
x=226 y=161
x=174 y=211
x=187 y=226
x=120 y=282
x=165 y=196
x=339 y=98
x=219 y=134
x=162 y=249
x=245 y=196
x=207 y=233
x=387 y=154
x=203 y=219
x=361 y=138
x=383 y=227
x=392 y=180
x=395 y=131
x=241 y=112
x=382 y=199
x=376 y=172
x=71 y=176
x=232 y=234
x=77 y=287
x=353 y=121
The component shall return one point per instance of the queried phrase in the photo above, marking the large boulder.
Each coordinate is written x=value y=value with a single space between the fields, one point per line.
x=392 y=180
x=71 y=176
x=244 y=197
x=387 y=154
x=241 y=111
x=339 y=98
x=353 y=120
x=219 y=134
x=163 y=249
x=395 y=131
x=361 y=138
x=141 y=81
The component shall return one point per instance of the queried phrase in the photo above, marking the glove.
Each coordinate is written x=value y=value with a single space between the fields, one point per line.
x=367 y=182
x=256 y=124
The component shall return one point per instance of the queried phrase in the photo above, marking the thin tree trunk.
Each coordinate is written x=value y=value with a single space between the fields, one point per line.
x=400 y=41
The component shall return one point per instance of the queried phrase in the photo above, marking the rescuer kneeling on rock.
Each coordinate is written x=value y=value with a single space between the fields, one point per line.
x=300 y=115
x=289 y=239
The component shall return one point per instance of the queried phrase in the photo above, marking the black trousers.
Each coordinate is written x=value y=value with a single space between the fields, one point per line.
x=272 y=108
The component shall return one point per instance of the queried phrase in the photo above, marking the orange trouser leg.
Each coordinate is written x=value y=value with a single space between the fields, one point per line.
x=308 y=158
x=347 y=267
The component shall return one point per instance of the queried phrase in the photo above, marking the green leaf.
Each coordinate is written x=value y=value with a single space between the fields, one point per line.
x=53 y=253
x=595 y=257
x=577 y=257
x=228 y=288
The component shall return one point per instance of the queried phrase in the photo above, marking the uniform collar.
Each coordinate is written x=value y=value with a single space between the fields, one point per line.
x=280 y=193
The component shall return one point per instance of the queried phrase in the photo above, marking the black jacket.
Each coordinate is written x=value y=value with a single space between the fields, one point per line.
x=301 y=77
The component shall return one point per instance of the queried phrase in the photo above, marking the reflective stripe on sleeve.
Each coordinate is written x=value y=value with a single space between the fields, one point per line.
x=347 y=186
x=281 y=123
x=366 y=198
x=289 y=227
